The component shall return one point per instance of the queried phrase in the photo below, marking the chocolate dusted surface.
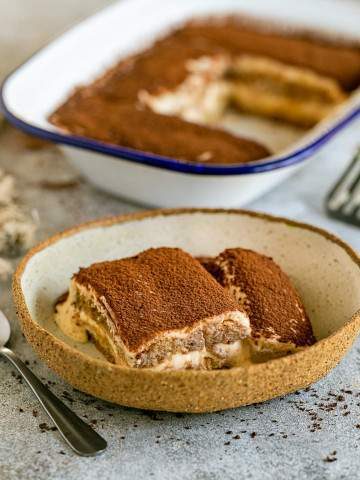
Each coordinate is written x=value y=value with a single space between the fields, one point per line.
x=265 y=292
x=337 y=59
x=108 y=110
x=123 y=124
x=160 y=289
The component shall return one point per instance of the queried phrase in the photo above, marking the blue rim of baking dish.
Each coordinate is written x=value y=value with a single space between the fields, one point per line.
x=168 y=163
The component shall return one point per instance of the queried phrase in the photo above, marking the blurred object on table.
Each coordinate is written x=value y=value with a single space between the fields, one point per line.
x=17 y=226
x=343 y=202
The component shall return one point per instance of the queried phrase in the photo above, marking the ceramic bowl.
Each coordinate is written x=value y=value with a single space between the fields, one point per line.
x=324 y=269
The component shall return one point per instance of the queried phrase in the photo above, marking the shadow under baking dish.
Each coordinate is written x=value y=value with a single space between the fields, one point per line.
x=325 y=271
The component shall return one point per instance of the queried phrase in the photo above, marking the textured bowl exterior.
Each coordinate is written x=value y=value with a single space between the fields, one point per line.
x=189 y=390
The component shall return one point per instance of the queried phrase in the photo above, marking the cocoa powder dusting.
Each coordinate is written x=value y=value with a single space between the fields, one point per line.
x=158 y=290
x=122 y=124
x=272 y=303
x=108 y=110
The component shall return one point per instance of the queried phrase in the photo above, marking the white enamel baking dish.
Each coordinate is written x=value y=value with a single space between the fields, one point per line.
x=37 y=87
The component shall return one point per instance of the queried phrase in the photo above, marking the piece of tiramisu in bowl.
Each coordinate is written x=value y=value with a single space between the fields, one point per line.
x=164 y=109
x=190 y=310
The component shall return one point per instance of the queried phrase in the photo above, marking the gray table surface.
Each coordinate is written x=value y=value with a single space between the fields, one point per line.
x=312 y=434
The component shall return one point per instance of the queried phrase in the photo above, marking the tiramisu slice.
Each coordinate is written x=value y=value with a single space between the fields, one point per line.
x=158 y=309
x=279 y=323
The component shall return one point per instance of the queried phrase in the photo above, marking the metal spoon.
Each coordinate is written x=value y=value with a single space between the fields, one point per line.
x=76 y=433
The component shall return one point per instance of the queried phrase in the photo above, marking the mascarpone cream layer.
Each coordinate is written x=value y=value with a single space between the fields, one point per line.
x=254 y=84
x=78 y=324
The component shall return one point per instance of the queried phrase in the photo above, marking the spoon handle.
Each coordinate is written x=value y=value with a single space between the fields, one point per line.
x=78 y=434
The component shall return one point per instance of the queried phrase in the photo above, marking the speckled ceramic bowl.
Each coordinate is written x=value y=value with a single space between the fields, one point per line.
x=325 y=271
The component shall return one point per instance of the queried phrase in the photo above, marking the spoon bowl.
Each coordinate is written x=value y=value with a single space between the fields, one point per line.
x=4 y=330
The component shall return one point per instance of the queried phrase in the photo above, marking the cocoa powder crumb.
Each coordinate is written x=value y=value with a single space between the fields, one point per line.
x=44 y=427
x=331 y=457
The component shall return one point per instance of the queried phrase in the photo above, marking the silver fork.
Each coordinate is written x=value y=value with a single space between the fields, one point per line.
x=343 y=202
x=77 y=434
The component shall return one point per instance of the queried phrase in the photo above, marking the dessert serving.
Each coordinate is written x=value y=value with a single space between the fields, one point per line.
x=162 y=309
x=159 y=309
x=279 y=323
x=322 y=278
x=170 y=99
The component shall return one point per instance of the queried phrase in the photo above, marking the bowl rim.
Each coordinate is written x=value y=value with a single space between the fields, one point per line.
x=274 y=162
x=25 y=316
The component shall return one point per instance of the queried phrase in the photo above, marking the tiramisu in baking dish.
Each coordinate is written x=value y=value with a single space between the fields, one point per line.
x=162 y=309
x=229 y=96
x=170 y=98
